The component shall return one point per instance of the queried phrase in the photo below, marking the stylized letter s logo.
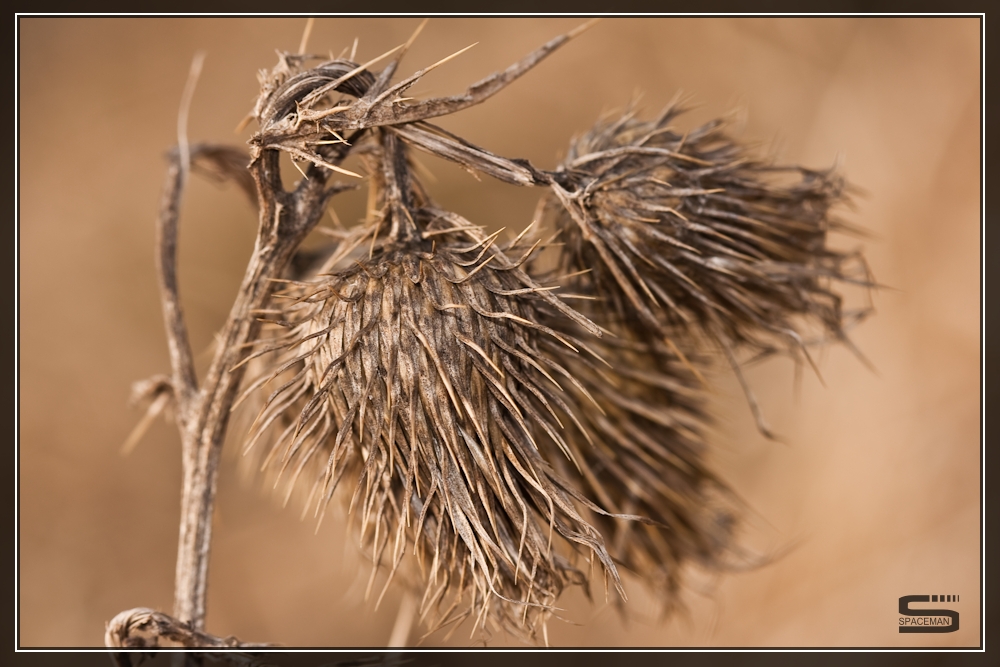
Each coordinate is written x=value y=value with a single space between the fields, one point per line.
x=904 y=609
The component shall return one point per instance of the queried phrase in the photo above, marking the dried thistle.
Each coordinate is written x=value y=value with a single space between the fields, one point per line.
x=422 y=376
x=642 y=452
x=512 y=443
x=691 y=235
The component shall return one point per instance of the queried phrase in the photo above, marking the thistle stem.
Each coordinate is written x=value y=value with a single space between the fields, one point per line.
x=206 y=429
x=184 y=382
x=285 y=220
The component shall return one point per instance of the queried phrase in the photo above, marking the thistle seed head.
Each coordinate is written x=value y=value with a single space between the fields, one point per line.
x=689 y=233
x=642 y=451
x=422 y=375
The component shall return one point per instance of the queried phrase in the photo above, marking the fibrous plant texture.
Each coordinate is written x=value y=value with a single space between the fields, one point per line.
x=689 y=236
x=506 y=419
x=695 y=233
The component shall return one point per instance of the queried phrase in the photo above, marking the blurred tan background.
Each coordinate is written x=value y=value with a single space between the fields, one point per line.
x=873 y=494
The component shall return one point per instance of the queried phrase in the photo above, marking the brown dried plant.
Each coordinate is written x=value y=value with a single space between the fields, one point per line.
x=514 y=444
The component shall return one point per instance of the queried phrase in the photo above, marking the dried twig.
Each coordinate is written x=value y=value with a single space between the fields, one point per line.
x=146 y=628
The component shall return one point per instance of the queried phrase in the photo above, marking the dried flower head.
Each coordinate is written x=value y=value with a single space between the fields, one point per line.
x=689 y=233
x=642 y=452
x=422 y=375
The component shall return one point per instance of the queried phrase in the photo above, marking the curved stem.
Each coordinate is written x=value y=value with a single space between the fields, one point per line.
x=181 y=360
x=147 y=628
x=203 y=415
x=285 y=220
x=206 y=429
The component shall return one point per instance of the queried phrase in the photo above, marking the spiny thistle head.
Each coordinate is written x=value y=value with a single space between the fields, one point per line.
x=690 y=233
x=641 y=450
x=422 y=375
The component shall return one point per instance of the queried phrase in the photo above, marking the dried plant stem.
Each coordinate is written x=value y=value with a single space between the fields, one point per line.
x=203 y=415
x=147 y=628
x=204 y=432
x=185 y=384
x=404 y=621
